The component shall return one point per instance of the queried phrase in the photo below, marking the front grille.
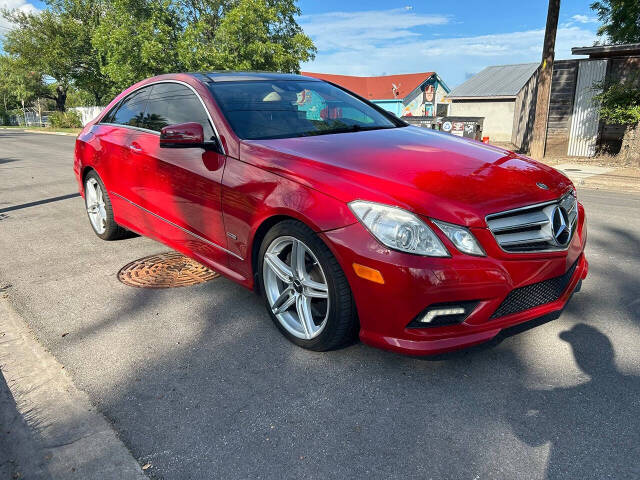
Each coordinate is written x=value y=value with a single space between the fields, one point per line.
x=536 y=228
x=534 y=295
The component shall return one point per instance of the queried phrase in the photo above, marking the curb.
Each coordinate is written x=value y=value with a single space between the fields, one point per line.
x=65 y=134
x=55 y=431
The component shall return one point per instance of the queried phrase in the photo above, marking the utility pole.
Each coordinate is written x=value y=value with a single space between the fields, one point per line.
x=539 y=138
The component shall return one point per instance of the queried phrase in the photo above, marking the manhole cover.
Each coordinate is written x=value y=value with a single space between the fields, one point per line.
x=165 y=270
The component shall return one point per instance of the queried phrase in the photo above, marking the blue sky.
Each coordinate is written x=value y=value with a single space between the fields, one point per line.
x=454 y=38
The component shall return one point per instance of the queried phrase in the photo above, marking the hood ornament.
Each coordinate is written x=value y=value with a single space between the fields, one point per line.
x=542 y=186
x=560 y=226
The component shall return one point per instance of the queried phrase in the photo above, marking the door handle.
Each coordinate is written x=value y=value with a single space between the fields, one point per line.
x=135 y=148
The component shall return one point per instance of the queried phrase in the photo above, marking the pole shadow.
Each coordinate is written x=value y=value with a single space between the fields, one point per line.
x=592 y=428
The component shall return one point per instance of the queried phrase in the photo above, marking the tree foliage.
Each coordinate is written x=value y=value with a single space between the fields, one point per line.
x=103 y=46
x=620 y=103
x=137 y=39
x=19 y=83
x=620 y=20
x=246 y=35
x=38 y=44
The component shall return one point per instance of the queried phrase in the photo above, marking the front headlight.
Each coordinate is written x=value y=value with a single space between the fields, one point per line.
x=398 y=229
x=461 y=237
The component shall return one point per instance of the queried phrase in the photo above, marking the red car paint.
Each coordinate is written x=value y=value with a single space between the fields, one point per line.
x=214 y=207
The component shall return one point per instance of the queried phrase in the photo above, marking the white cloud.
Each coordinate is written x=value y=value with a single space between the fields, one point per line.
x=584 y=19
x=369 y=43
x=11 y=5
x=335 y=29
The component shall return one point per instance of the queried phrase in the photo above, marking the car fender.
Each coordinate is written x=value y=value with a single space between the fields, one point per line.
x=254 y=199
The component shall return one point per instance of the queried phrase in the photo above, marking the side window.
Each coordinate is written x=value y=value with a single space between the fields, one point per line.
x=131 y=110
x=171 y=103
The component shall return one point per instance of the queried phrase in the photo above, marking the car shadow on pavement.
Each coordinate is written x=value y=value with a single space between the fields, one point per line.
x=240 y=400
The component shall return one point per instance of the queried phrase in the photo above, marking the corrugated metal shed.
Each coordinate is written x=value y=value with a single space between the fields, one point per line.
x=501 y=81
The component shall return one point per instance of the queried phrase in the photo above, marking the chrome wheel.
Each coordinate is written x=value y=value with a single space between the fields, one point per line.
x=296 y=287
x=94 y=201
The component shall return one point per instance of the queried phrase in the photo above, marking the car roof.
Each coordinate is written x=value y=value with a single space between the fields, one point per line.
x=228 y=76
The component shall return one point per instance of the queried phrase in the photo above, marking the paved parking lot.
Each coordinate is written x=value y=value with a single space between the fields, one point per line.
x=198 y=382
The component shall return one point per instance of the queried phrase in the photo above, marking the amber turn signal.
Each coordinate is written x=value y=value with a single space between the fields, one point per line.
x=368 y=273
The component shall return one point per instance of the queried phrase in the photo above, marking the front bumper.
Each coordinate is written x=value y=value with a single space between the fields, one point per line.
x=412 y=283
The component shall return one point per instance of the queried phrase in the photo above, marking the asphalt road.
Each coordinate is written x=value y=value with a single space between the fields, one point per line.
x=199 y=383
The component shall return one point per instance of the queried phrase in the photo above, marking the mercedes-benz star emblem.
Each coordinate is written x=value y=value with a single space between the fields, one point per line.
x=542 y=186
x=560 y=226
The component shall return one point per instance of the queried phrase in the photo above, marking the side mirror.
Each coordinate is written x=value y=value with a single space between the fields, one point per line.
x=182 y=135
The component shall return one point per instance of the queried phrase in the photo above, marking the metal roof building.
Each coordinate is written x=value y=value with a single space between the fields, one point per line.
x=498 y=94
x=501 y=81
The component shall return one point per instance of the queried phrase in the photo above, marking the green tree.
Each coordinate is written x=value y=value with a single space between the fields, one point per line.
x=141 y=38
x=8 y=97
x=39 y=42
x=137 y=39
x=57 y=42
x=19 y=85
x=620 y=20
x=246 y=35
x=103 y=46
x=80 y=19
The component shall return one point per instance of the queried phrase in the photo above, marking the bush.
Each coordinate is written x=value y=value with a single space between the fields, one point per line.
x=619 y=103
x=67 y=119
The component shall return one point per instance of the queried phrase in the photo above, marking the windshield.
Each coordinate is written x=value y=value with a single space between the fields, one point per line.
x=259 y=110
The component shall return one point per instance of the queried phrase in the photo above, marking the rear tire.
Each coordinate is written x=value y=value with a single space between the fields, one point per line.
x=99 y=209
x=306 y=292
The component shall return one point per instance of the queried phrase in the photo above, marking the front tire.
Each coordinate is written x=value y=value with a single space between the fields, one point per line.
x=99 y=209
x=306 y=292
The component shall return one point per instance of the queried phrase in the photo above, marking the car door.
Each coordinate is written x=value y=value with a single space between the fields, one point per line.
x=180 y=186
x=113 y=138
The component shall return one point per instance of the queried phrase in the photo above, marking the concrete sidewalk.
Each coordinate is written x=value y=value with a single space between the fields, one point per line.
x=602 y=172
x=605 y=177
x=49 y=429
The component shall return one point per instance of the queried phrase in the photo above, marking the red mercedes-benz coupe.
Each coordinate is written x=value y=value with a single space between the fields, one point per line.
x=346 y=219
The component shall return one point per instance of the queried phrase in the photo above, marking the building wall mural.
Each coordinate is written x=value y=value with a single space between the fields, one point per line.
x=415 y=107
x=424 y=102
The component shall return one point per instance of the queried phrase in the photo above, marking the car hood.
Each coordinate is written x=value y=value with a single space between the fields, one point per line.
x=430 y=173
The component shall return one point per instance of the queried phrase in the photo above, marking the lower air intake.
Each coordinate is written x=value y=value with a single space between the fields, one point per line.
x=534 y=295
